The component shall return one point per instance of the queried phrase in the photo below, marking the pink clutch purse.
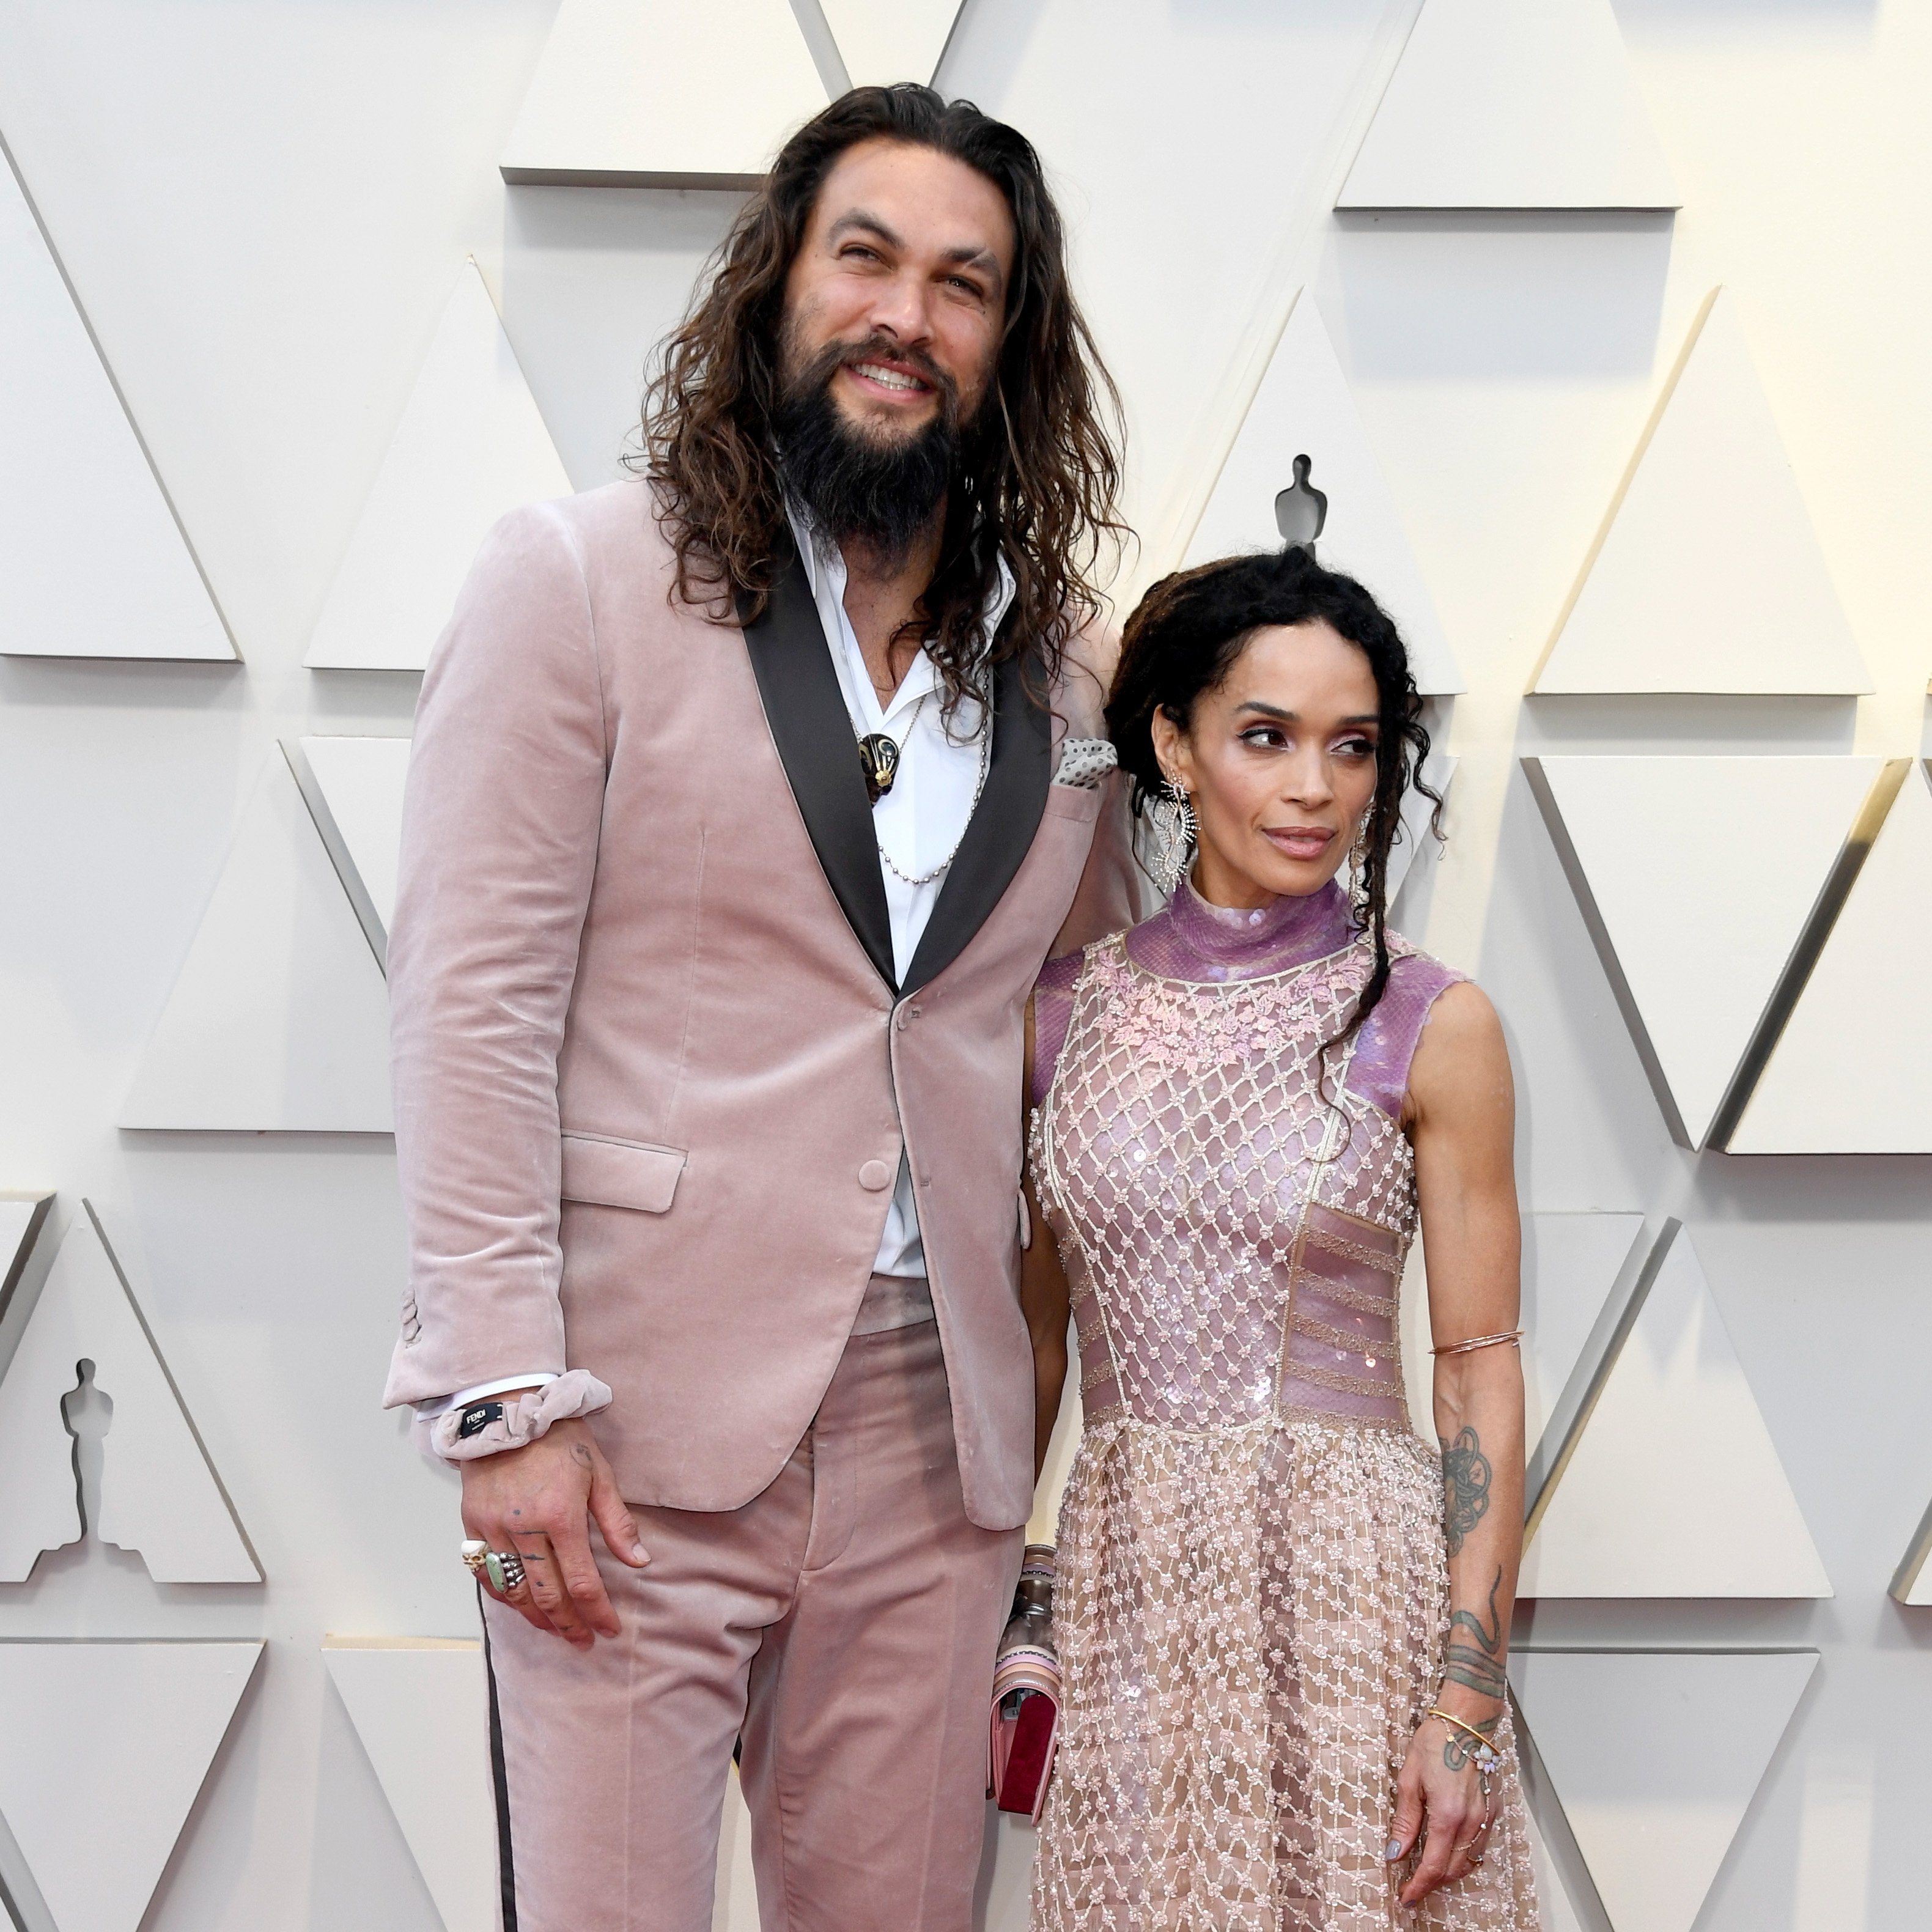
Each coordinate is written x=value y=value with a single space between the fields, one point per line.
x=1026 y=1693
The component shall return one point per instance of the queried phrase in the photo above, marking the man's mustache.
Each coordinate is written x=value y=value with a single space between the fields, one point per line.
x=836 y=355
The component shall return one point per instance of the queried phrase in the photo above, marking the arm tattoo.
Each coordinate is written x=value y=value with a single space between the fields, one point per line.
x=1465 y=1487
x=1477 y=1665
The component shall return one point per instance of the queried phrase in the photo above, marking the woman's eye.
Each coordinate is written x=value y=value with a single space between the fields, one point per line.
x=1264 y=737
x=1356 y=748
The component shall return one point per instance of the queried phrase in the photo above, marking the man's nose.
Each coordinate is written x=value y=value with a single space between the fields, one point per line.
x=900 y=309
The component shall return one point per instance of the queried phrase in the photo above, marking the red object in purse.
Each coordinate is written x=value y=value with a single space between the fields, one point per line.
x=1025 y=1718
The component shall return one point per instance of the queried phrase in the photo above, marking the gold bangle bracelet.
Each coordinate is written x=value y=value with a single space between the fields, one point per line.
x=1513 y=1337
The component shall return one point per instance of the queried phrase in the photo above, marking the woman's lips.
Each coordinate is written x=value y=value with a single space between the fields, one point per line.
x=1299 y=841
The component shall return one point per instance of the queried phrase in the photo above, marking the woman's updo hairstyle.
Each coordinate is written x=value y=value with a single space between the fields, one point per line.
x=1183 y=639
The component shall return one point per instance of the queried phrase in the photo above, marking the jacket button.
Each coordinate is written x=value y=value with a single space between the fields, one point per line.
x=875 y=1176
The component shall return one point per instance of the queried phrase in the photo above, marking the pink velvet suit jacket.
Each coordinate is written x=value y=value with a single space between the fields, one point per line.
x=652 y=1075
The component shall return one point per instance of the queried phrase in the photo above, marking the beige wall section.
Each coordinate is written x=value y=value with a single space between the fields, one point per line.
x=261 y=208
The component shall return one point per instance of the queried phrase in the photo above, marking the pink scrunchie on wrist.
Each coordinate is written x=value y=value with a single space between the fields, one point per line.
x=525 y=1417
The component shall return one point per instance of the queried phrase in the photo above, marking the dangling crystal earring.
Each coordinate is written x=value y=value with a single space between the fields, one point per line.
x=1172 y=825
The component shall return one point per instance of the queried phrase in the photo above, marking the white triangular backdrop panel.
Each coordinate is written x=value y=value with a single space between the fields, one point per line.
x=882 y=41
x=1303 y=408
x=1512 y=104
x=470 y=445
x=21 y=1216
x=1552 y=1896
x=1706 y=573
x=1851 y=1072
x=160 y=1494
x=278 y=1022
x=70 y=460
x=1656 y=1756
x=659 y=92
x=1570 y=1262
x=109 y=1744
x=1674 y=1488
x=420 y=1707
x=1700 y=947
x=359 y=786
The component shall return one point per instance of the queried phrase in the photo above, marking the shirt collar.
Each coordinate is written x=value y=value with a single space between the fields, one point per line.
x=825 y=572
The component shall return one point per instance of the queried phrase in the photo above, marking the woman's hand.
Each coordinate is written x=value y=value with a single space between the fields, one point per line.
x=1439 y=1800
x=539 y=1501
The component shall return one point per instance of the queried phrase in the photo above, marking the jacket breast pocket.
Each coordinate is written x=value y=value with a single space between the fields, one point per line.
x=621 y=1174
x=1075 y=801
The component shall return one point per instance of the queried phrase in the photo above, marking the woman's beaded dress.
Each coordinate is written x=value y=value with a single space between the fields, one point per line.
x=1253 y=1596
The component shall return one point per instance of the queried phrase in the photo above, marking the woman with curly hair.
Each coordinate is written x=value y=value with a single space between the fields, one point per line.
x=1281 y=1617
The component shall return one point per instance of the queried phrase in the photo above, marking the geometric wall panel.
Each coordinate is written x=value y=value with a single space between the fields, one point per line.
x=73 y=470
x=1512 y=104
x=1697 y=877
x=421 y=1706
x=354 y=788
x=1670 y=1485
x=1912 y=1585
x=882 y=41
x=470 y=445
x=1852 y=1071
x=1570 y=1262
x=663 y=93
x=160 y=1493
x=1655 y=1756
x=22 y=1217
x=107 y=1746
x=1552 y=1896
x=1303 y=408
x=1706 y=575
x=278 y=1022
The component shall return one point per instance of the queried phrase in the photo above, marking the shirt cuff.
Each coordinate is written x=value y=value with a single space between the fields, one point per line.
x=442 y=1405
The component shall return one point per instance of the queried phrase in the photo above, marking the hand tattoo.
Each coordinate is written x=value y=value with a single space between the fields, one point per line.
x=1465 y=1487
x=1477 y=1667
x=1457 y=1752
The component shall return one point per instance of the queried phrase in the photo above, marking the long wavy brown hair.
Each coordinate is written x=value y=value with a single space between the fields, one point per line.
x=1042 y=479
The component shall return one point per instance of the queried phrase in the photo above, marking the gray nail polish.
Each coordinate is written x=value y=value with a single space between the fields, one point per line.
x=1392 y=1850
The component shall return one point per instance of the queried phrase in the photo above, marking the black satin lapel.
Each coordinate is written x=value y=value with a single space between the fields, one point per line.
x=806 y=711
x=1001 y=831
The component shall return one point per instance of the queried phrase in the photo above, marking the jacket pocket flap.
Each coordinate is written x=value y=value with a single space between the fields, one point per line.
x=620 y=1174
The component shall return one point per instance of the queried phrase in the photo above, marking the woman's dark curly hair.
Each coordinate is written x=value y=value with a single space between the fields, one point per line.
x=1182 y=641
x=1045 y=475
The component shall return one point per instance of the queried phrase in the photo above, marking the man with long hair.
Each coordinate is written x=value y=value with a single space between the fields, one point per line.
x=747 y=797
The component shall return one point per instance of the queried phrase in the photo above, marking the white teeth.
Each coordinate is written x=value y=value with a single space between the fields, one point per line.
x=891 y=378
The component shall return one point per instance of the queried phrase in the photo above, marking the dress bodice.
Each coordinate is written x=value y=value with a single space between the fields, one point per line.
x=1233 y=1207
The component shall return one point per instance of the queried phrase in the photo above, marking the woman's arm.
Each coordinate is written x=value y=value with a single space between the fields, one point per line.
x=1462 y=1120
x=1043 y=1298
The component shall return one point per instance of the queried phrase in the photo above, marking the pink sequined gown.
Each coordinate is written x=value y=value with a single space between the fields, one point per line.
x=1252 y=1591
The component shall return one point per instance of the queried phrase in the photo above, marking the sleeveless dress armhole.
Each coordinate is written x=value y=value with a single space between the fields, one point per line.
x=1052 y=1014
x=1392 y=1033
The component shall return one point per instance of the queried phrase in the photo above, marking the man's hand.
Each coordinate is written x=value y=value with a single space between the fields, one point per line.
x=537 y=1501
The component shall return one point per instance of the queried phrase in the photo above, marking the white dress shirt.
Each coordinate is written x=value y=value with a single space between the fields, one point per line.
x=919 y=823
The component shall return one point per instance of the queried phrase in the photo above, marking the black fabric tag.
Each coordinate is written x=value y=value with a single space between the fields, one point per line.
x=477 y=1418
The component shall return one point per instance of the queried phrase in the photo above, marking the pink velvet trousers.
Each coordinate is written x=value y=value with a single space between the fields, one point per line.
x=842 y=1624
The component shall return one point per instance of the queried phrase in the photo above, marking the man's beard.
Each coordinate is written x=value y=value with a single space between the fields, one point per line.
x=880 y=492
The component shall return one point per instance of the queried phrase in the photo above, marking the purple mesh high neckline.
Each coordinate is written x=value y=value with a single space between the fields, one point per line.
x=1192 y=939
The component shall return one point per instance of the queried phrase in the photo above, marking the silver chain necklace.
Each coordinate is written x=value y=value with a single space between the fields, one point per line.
x=880 y=756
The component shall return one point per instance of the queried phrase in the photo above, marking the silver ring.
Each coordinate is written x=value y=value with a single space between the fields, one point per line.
x=505 y=1569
